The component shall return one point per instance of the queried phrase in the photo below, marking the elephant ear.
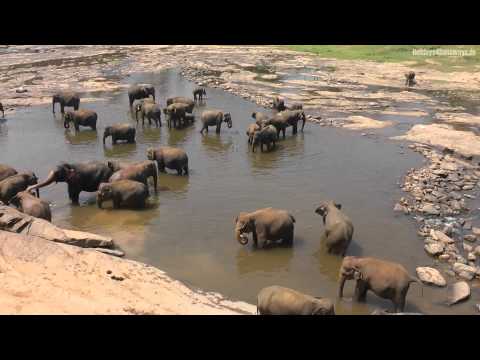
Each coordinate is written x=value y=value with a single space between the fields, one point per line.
x=338 y=206
x=357 y=274
x=236 y=220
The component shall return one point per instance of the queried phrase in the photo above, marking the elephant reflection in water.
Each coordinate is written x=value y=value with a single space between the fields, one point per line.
x=83 y=137
x=120 y=151
x=216 y=144
x=273 y=260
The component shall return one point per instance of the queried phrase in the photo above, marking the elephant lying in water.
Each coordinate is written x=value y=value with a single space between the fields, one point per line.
x=86 y=118
x=136 y=92
x=138 y=172
x=266 y=225
x=215 y=118
x=285 y=119
x=118 y=132
x=85 y=176
x=338 y=227
x=123 y=193
x=149 y=110
x=12 y=185
x=278 y=300
x=66 y=98
x=386 y=279
x=266 y=136
x=169 y=157
x=32 y=205
x=6 y=171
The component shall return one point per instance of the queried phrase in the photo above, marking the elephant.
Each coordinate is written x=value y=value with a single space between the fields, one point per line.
x=123 y=193
x=338 y=227
x=279 y=300
x=16 y=183
x=140 y=92
x=119 y=132
x=266 y=225
x=410 y=79
x=285 y=119
x=295 y=106
x=6 y=171
x=151 y=111
x=169 y=157
x=386 y=279
x=119 y=165
x=138 y=172
x=182 y=100
x=189 y=118
x=267 y=136
x=86 y=118
x=215 y=118
x=279 y=104
x=260 y=118
x=252 y=128
x=176 y=112
x=32 y=205
x=66 y=99
x=1 y=109
x=85 y=176
x=199 y=92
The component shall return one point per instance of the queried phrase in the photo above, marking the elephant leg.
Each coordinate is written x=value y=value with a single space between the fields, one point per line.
x=284 y=130
x=75 y=107
x=73 y=194
x=255 y=238
x=294 y=130
x=217 y=130
x=361 y=289
x=399 y=300
x=116 y=203
x=278 y=134
x=62 y=108
x=185 y=169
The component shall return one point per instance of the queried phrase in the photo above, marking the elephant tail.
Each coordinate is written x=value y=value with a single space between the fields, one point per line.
x=415 y=280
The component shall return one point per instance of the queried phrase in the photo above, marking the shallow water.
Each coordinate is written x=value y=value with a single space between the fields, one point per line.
x=188 y=228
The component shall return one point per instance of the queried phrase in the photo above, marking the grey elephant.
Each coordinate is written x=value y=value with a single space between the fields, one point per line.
x=32 y=205
x=138 y=172
x=260 y=118
x=175 y=112
x=170 y=158
x=182 y=100
x=189 y=119
x=123 y=193
x=252 y=128
x=410 y=79
x=6 y=171
x=279 y=104
x=285 y=119
x=215 y=118
x=279 y=300
x=66 y=99
x=143 y=91
x=82 y=117
x=199 y=93
x=266 y=136
x=1 y=109
x=85 y=176
x=12 y=185
x=125 y=132
x=338 y=227
x=142 y=101
x=295 y=106
x=151 y=111
x=266 y=225
x=386 y=279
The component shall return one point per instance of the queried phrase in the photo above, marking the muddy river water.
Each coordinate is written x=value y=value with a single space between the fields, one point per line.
x=187 y=230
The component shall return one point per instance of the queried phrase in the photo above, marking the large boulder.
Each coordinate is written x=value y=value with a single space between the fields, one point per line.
x=430 y=276
x=457 y=292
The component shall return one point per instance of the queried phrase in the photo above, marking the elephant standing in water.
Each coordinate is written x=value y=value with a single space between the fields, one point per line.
x=285 y=119
x=12 y=185
x=190 y=104
x=86 y=118
x=199 y=92
x=118 y=132
x=410 y=79
x=169 y=157
x=278 y=300
x=6 y=171
x=266 y=225
x=66 y=99
x=338 y=227
x=215 y=118
x=251 y=130
x=386 y=279
x=150 y=111
x=279 y=104
x=85 y=176
x=266 y=136
x=136 y=92
x=138 y=172
x=176 y=112
x=32 y=205
x=1 y=109
x=123 y=193
x=260 y=118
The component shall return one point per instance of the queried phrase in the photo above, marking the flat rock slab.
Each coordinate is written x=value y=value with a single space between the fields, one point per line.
x=15 y=221
x=440 y=236
x=457 y=292
x=431 y=276
x=43 y=277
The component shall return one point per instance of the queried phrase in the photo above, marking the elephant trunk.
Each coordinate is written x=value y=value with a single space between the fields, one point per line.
x=343 y=278
x=38 y=192
x=50 y=179
x=242 y=238
x=99 y=201
x=304 y=120
x=66 y=124
x=155 y=176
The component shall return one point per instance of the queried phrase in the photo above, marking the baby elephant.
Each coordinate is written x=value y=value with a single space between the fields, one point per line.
x=278 y=300
x=260 y=118
x=149 y=110
x=215 y=118
x=12 y=185
x=338 y=228
x=410 y=79
x=86 y=118
x=124 y=132
x=200 y=93
x=386 y=279
x=169 y=157
x=266 y=136
x=189 y=103
x=266 y=225
x=252 y=128
x=32 y=205
x=138 y=172
x=123 y=193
